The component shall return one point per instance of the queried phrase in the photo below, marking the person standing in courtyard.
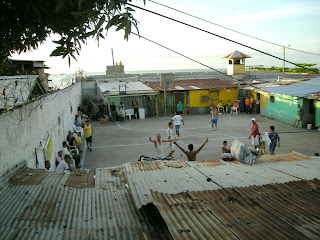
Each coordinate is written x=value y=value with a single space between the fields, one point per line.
x=254 y=133
x=251 y=104
x=299 y=116
x=247 y=102
x=170 y=138
x=214 y=118
x=191 y=155
x=177 y=122
x=88 y=130
x=135 y=106
x=258 y=104
x=180 y=107
x=274 y=137
x=113 y=110
x=159 y=146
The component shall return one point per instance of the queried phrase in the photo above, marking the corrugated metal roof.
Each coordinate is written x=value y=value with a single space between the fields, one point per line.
x=167 y=179
x=195 y=84
x=237 y=55
x=287 y=157
x=116 y=203
x=273 y=211
x=17 y=89
x=53 y=210
x=130 y=86
x=297 y=89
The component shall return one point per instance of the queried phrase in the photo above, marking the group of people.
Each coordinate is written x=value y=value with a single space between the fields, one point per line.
x=119 y=112
x=71 y=147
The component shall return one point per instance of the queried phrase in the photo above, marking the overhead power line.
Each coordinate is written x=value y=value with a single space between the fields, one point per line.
x=247 y=35
x=230 y=40
x=183 y=55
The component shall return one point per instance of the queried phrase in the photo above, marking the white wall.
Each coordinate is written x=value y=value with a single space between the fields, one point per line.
x=24 y=130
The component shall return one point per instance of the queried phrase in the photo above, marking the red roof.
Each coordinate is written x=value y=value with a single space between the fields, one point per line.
x=194 y=84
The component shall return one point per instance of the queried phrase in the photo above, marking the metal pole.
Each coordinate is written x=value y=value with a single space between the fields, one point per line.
x=165 y=101
x=112 y=56
x=283 y=58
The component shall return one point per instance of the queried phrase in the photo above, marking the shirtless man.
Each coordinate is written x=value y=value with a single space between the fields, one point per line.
x=191 y=155
x=170 y=137
x=224 y=147
x=158 y=146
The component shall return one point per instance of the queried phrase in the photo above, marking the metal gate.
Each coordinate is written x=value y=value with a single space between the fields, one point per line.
x=168 y=106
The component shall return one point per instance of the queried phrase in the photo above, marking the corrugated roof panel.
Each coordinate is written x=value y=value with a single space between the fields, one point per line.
x=130 y=86
x=287 y=157
x=187 y=218
x=199 y=176
x=51 y=210
x=260 y=215
x=297 y=89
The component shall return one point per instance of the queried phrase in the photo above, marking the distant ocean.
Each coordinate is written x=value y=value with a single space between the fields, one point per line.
x=64 y=80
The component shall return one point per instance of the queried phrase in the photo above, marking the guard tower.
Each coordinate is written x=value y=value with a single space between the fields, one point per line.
x=236 y=63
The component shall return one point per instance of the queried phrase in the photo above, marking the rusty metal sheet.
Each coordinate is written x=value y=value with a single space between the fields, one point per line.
x=287 y=157
x=84 y=179
x=272 y=211
x=27 y=176
x=208 y=163
x=189 y=218
x=156 y=165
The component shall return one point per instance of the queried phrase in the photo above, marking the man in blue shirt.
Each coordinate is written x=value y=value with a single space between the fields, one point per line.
x=180 y=107
x=274 y=137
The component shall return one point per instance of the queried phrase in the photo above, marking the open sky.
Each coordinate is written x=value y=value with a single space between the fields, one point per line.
x=284 y=22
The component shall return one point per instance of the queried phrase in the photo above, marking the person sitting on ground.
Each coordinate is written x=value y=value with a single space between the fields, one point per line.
x=226 y=152
x=59 y=158
x=224 y=147
x=63 y=165
x=159 y=146
x=191 y=155
x=47 y=165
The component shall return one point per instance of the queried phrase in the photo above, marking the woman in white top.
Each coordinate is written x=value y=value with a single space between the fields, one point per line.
x=159 y=146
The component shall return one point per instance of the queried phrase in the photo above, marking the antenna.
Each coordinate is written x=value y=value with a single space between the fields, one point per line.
x=112 y=56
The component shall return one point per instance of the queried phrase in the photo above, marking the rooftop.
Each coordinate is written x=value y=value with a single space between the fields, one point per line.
x=166 y=200
x=195 y=84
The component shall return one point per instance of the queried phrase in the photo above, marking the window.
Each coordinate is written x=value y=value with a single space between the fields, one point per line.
x=272 y=99
x=236 y=61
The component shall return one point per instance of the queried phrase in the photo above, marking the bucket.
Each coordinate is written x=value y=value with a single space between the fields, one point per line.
x=309 y=126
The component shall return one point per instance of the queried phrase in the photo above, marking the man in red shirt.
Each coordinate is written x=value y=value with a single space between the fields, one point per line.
x=254 y=133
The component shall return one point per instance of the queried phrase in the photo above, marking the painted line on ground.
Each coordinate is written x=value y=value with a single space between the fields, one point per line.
x=163 y=129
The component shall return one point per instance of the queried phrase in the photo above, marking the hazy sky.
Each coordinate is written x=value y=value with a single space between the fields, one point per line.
x=284 y=22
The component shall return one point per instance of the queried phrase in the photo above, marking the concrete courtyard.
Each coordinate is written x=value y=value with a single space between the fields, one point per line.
x=115 y=143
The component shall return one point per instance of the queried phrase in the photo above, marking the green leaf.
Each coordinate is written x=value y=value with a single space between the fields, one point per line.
x=59 y=6
x=101 y=21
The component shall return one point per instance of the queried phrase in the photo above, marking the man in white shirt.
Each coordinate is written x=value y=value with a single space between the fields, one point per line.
x=63 y=165
x=170 y=138
x=177 y=122
x=65 y=151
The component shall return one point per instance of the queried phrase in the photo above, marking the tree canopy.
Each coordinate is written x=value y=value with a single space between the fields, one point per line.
x=24 y=24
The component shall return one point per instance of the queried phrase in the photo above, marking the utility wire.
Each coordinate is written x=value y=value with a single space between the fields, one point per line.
x=183 y=55
x=230 y=40
x=247 y=35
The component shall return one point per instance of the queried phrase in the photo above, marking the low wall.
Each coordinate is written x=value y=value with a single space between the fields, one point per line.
x=25 y=130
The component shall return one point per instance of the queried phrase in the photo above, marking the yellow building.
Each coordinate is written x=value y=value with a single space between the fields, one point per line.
x=196 y=93
x=236 y=63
